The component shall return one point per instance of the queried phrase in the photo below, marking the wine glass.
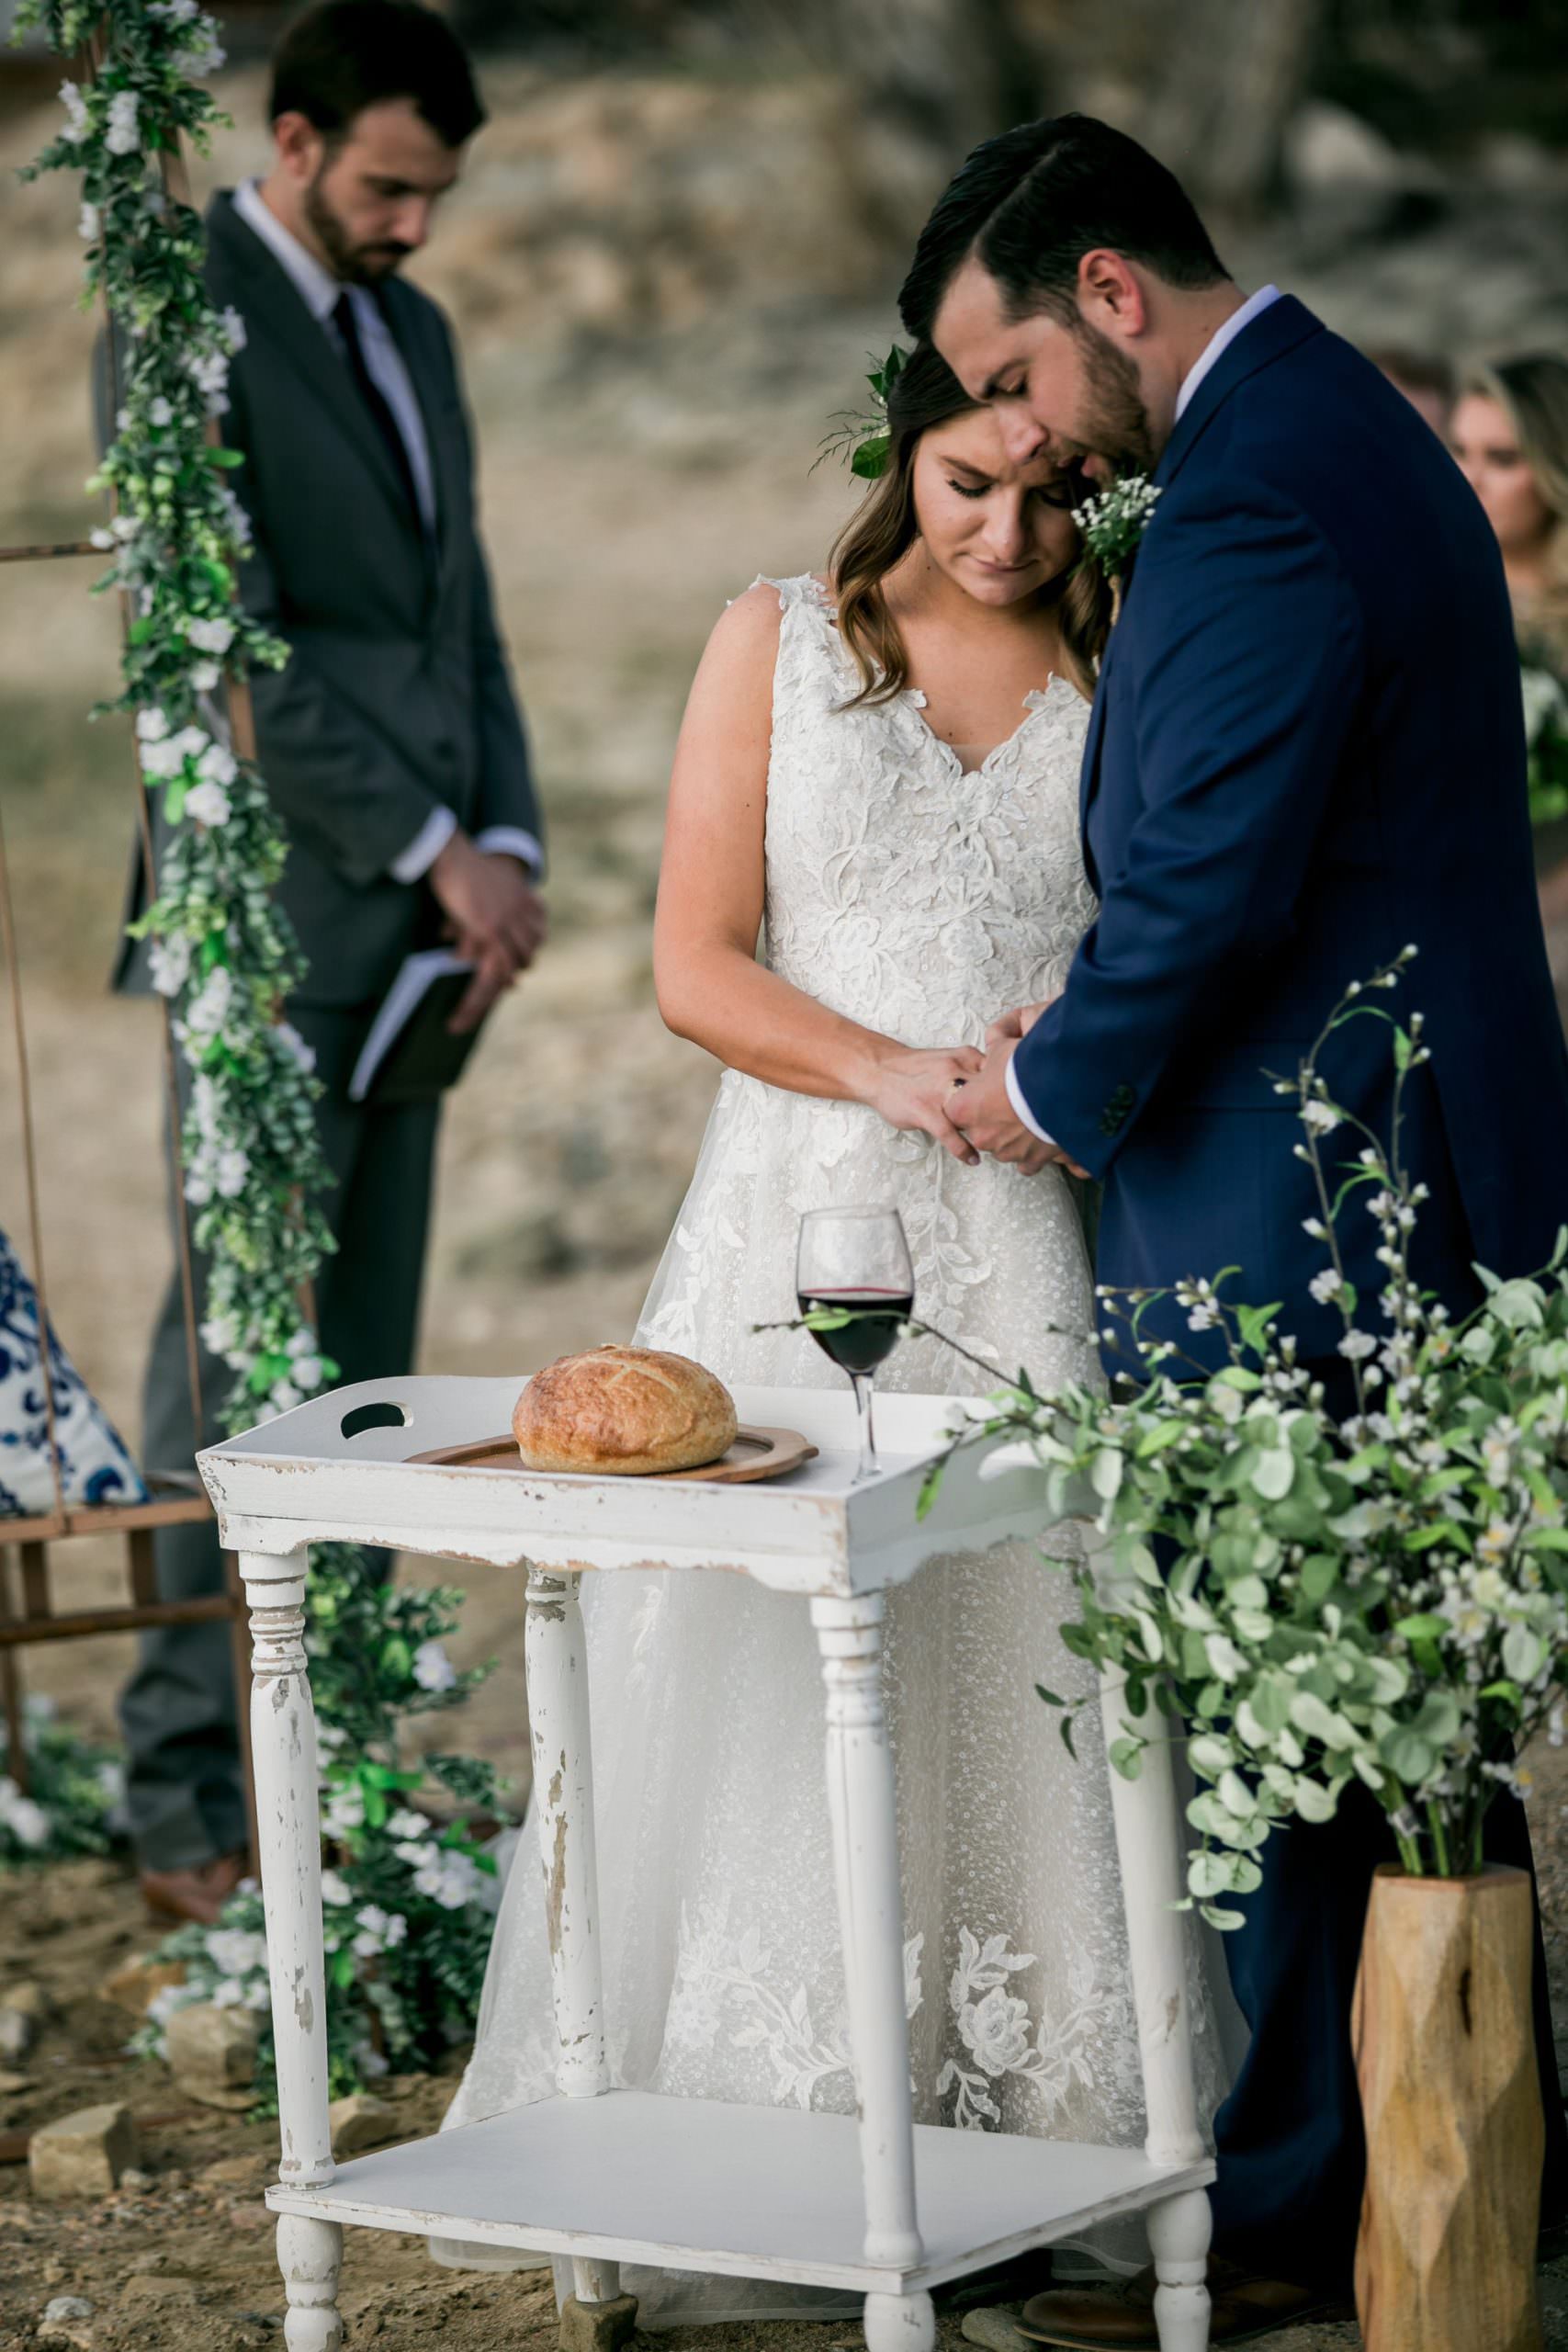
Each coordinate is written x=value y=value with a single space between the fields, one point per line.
x=857 y=1259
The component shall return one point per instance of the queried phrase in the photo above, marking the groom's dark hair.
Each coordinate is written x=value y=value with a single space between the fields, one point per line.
x=343 y=56
x=1030 y=203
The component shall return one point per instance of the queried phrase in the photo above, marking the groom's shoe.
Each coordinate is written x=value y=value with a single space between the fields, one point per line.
x=1245 y=2310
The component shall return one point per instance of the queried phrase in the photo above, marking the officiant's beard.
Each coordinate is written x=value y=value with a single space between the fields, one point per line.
x=1113 y=422
x=356 y=265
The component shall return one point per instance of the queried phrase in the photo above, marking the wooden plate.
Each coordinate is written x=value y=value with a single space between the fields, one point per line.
x=756 y=1453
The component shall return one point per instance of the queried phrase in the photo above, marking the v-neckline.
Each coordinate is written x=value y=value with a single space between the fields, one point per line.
x=1034 y=702
x=913 y=698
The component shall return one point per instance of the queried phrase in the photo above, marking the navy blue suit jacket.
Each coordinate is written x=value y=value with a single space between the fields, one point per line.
x=1306 y=750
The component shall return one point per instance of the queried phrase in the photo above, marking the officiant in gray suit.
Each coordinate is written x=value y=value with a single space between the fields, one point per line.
x=391 y=744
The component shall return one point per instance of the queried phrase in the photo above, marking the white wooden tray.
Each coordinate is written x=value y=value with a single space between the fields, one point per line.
x=340 y=1467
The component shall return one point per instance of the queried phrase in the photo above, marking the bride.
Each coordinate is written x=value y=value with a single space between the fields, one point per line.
x=880 y=773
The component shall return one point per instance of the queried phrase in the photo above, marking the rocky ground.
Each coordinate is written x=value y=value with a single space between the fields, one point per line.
x=179 y=2259
x=664 y=286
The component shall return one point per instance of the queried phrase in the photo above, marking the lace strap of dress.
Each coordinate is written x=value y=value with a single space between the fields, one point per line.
x=803 y=593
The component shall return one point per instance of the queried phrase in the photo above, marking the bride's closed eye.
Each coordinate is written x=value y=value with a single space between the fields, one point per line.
x=1061 y=495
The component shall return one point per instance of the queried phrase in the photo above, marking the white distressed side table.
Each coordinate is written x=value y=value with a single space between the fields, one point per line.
x=884 y=2207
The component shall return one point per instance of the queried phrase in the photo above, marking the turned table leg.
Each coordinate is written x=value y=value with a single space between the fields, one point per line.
x=865 y=1865
x=283 y=1741
x=1149 y=1847
x=596 y=2313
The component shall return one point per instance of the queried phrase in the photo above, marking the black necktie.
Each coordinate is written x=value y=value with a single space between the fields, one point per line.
x=374 y=399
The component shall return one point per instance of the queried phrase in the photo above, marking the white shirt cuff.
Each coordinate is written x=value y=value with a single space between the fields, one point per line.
x=1015 y=1096
x=425 y=847
x=511 y=840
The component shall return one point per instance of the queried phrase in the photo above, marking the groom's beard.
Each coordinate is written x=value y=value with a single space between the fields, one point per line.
x=1114 y=423
x=354 y=265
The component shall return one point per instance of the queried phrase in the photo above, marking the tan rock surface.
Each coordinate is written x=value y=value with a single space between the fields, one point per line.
x=82 y=2155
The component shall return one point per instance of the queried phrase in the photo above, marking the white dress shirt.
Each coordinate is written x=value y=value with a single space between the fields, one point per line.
x=321 y=293
x=1253 y=307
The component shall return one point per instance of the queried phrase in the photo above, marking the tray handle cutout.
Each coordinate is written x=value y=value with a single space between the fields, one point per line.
x=383 y=1415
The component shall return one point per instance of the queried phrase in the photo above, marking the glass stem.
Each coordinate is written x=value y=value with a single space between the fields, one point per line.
x=863 y=1383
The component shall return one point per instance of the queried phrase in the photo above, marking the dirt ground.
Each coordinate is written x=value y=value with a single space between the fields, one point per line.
x=186 y=2264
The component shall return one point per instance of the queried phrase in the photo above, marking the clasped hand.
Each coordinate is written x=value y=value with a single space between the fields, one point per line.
x=960 y=1098
x=495 y=919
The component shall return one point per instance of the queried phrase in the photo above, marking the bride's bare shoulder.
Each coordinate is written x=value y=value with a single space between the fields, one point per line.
x=745 y=638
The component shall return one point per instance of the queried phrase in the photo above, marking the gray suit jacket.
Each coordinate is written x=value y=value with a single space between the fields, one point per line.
x=398 y=695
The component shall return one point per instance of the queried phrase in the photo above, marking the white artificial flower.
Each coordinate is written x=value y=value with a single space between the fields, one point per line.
x=309 y=1373
x=233 y=1166
x=160 y=411
x=205 y=676
x=122 y=136
x=215 y=636
x=450 y=1879
x=77 y=123
x=168 y=963
x=208 y=805
x=236 y=1952
x=407 y=1824
x=233 y=328
x=89 y=224
x=238 y=519
x=152 y=726
x=103 y=539
x=1358 y=1345
x=220 y=1334
x=230 y=1994
x=26 y=1819
x=344 y=1811
x=283 y=1396
x=1325 y=1287
x=433 y=1670
x=1321 y=1117
x=294 y=1046
x=333 y=1889
x=209 y=1009
x=217 y=765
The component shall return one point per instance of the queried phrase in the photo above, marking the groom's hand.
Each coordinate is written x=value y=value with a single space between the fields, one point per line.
x=1015 y=1024
x=982 y=1109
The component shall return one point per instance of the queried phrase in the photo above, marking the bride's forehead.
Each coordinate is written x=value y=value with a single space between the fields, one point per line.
x=974 y=437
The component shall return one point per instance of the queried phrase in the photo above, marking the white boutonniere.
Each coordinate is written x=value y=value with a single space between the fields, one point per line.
x=1112 y=523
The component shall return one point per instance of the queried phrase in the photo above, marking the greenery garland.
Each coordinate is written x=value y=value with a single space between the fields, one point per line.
x=222 y=949
x=410 y=1901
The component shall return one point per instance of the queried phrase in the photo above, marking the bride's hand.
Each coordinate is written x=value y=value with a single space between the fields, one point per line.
x=909 y=1089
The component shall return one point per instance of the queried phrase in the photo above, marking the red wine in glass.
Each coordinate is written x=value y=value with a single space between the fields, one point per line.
x=858 y=1259
x=870 y=1339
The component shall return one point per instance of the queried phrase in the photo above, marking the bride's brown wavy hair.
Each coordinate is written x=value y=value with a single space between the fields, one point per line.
x=885 y=527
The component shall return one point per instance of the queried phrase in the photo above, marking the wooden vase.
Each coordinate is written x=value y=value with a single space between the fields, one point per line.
x=1445 y=2056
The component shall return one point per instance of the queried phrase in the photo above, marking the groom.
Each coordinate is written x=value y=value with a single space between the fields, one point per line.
x=1306 y=750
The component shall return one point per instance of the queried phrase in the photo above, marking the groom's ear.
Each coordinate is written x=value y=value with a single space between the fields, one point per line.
x=1110 y=295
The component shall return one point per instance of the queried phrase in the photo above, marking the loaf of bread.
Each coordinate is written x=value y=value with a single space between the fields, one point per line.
x=629 y=1411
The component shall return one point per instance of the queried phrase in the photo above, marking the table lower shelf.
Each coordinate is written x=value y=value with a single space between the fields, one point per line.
x=751 y=2192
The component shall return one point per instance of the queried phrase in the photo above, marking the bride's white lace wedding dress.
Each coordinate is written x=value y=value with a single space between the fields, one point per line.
x=921 y=899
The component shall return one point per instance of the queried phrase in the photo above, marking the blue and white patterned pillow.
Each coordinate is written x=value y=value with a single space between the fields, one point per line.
x=95 y=1466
